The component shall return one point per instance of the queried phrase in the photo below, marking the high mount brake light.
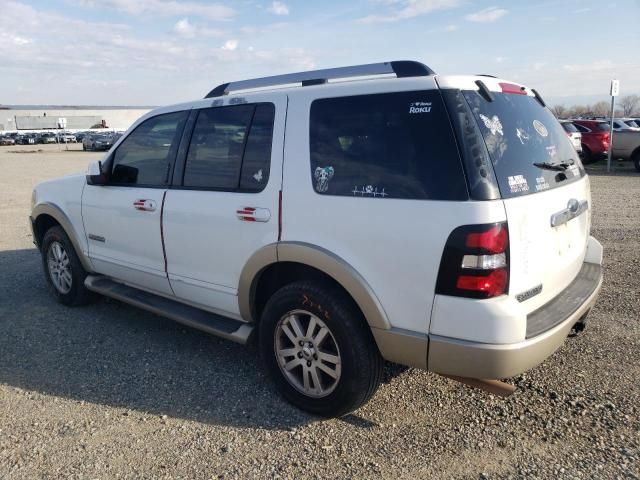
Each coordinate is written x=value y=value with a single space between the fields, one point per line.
x=512 y=88
x=475 y=262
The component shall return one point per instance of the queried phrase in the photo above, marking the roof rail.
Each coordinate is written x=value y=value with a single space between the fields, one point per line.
x=402 y=68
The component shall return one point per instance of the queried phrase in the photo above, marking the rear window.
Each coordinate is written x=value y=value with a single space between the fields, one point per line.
x=519 y=132
x=392 y=145
x=569 y=127
x=603 y=126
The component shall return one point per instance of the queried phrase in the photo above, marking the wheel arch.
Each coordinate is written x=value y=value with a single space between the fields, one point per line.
x=46 y=215
x=315 y=261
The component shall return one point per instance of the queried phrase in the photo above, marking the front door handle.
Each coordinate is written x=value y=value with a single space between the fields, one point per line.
x=144 y=205
x=253 y=214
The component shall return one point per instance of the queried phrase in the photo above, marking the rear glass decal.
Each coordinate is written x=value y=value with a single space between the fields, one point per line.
x=258 y=176
x=573 y=169
x=552 y=150
x=322 y=176
x=420 y=107
x=540 y=128
x=493 y=124
x=518 y=184
x=522 y=135
x=369 y=191
x=541 y=184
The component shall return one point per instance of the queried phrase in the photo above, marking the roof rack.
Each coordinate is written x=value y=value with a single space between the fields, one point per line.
x=402 y=68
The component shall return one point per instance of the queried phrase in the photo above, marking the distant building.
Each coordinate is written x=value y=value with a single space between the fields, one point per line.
x=75 y=118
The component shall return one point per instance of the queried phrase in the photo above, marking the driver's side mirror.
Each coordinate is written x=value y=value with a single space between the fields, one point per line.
x=96 y=174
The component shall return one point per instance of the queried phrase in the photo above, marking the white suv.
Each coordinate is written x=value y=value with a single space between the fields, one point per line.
x=350 y=215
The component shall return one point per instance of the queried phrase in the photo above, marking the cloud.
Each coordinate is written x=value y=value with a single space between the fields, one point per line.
x=450 y=28
x=404 y=9
x=279 y=8
x=500 y=59
x=176 y=8
x=490 y=14
x=599 y=65
x=186 y=29
x=230 y=45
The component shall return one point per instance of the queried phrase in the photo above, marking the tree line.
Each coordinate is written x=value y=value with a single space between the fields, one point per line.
x=627 y=106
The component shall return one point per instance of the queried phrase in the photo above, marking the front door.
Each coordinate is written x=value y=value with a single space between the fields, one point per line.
x=225 y=206
x=123 y=219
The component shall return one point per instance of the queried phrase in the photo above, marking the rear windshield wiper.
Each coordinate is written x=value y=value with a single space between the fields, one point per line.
x=558 y=167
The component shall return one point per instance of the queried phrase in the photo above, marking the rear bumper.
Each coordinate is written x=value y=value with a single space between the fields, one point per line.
x=464 y=358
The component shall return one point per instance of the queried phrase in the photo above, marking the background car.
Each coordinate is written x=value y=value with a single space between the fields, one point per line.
x=620 y=125
x=574 y=135
x=47 y=137
x=26 y=139
x=66 y=138
x=595 y=139
x=6 y=140
x=97 y=142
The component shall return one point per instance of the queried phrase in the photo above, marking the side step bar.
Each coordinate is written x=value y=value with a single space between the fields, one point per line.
x=218 y=325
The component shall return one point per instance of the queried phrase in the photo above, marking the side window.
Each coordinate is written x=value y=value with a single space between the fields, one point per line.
x=145 y=157
x=392 y=145
x=581 y=128
x=216 y=148
x=257 y=154
x=230 y=148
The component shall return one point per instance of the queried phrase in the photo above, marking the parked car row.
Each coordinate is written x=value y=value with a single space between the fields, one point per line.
x=98 y=141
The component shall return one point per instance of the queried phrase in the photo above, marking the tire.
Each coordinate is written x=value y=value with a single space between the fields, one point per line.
x=347 y=349
x=58 y=255
x=586 y=155
x=636 y=160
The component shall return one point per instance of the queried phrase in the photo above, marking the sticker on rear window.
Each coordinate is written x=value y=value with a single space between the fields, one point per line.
x=522 y=135
x=541 y=184
x=493 y=124
x=369 y=191
x=420 y=107
x=552 y=150
x=540 y=128
x=322 y=176
x=518 y=184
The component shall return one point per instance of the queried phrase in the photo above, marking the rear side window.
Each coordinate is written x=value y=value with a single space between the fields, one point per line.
x=230 y=148
x=581 y=128
x=392 y=145
x=603 y=126
x=145 y=157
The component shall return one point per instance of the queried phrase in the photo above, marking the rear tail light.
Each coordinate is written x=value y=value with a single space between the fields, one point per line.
x=475 y=262
x=605 y=140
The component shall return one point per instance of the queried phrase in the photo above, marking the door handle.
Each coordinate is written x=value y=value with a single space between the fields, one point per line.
x=144 y=205
x=253 y=214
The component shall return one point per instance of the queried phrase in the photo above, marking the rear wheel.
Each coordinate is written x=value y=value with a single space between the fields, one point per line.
x=586 y=155
x=636 y=160
x=63 y=269
x=318 y=349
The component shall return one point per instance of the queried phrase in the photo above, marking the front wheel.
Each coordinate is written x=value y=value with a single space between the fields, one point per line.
x=63 y=269
x=318 y=349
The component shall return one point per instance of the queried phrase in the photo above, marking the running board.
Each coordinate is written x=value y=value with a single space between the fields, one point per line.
x=218 y=325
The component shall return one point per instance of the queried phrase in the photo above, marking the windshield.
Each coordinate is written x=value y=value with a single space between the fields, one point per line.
x=529 y=149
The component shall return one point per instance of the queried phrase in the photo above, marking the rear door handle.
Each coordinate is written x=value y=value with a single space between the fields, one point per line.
x=144 y=205
x=253 y=214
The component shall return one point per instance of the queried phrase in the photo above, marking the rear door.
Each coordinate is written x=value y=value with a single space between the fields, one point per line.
x=544 y=189
x=223 y=206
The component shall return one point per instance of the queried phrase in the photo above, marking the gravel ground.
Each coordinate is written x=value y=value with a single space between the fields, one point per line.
x=108 y=391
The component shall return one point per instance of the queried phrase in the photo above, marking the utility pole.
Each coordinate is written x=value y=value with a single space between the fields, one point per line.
x=614 y=90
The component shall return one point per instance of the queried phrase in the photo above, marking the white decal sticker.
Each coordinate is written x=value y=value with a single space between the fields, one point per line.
x=540 y=128
x=551 y=150
x=522 y=135
x=322 y=176
x=493 y=124
x=420 y=107
x=258 y=176
x=369 y=191
x=518 y=184
x=541 y=184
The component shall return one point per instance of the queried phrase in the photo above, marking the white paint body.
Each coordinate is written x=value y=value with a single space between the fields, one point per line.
x=395 y=245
